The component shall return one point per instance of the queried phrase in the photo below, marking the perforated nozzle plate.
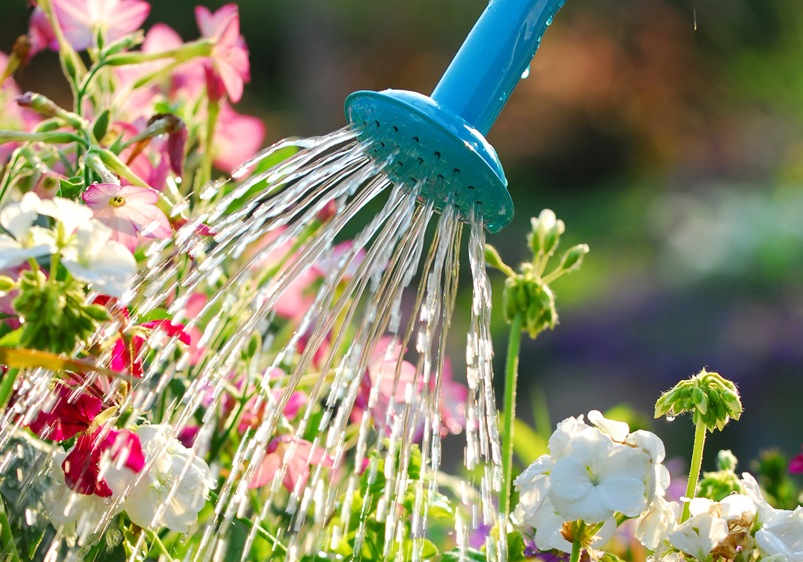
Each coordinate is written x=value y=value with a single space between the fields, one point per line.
x=426 y=143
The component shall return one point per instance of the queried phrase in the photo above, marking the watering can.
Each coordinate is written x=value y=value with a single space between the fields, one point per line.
x=437 y=142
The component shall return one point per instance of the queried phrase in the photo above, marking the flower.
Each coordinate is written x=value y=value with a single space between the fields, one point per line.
x=699 y=535
x=85 y=463
x=66 y=416
x=97 y=259
x=291 y=458
x=74 y=513
x=26 y=241
x=127 y=356
x=172 y=487
x=228 y=67
x=130 y=211
x=13 y=117
x=796 y=465
x=384 y=392
x=237 y=138
x=82 y=20
x=782 y=534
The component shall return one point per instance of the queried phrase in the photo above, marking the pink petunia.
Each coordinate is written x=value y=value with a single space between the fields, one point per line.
x=130 y=211
x=228 y=67
x=67 y=416
x=13 y=117
x=796 y=465
x=454 y=396
x=381 y=393
x=82 y=466
x=237 y=138
x=296 y=455
x=80 y=19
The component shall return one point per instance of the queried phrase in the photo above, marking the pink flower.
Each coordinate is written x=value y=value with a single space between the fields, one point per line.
x=130 y=211
x=67 y=416
x=391 y=394
x=296 y=455
x=13 y=117
x=79 y=19
x=41 y=33
x=228 y=67
x=796 y=465
x=237 y=138
x=82 y=466
x=454 y=396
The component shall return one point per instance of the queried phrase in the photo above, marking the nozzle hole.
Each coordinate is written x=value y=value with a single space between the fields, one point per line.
x=471 y=187
x=395 y=129
x=378 y=124
x=437 y=155
x=416 y=139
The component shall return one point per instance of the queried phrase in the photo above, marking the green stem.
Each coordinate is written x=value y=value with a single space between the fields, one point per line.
x=509 y=414
x=576 y=550
x=696 y=464
x=6 y=537
x=59 y=137
x=160 y=546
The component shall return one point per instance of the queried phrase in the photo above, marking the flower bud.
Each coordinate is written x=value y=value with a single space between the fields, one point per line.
x=532 y=298
x=6 y=284
x=712 y=400
x=493 y=259
x=573 y=258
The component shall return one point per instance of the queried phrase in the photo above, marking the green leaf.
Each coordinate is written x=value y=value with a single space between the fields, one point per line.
x=101 y=125
x=471 y=555
x=71 y=188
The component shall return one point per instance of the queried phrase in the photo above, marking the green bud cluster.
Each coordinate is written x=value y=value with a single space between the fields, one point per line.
x=712 y=400
x=722 y=483
x=53 y=313
x=527 y=292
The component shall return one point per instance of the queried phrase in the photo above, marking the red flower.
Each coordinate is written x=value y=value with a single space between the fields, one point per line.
x=67 y=416
x=82 y=467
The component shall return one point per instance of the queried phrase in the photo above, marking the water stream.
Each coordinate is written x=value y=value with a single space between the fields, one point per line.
x=381 y=304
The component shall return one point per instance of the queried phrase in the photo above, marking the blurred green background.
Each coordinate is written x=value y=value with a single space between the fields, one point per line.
x=667 y=135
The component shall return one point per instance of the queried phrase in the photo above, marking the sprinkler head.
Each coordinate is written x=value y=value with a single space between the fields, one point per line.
x=437 y=141
x=425 y=143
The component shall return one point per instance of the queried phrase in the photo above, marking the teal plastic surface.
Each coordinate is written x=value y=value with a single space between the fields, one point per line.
x=438 y=141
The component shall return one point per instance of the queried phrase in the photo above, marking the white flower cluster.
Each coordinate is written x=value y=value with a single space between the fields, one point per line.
x=84 y=243
x=592 y=473
x=740 y=527
x=602 y=473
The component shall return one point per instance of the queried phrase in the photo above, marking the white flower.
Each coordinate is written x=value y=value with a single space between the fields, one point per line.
x=171 y=489
x=78 y=515
x=654 y=523
x=699 y=535
x=26 y=241
x=782 y=534
x=68 y=213
x=93 y=257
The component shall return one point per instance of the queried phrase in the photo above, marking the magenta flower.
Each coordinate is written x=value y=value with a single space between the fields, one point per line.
x=237 y=138
x=296 y=455
x=796 y=465
x=79 y=19
x=126 y=355
x=228 y=67
x=40 y=33
x=13 y=116
x=66 y=417
x=130 y=211
x=82 y=466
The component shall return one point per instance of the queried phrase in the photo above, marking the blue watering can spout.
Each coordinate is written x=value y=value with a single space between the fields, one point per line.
x=436 y=143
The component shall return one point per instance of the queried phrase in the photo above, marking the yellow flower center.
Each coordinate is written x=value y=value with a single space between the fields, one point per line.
x=117 y=201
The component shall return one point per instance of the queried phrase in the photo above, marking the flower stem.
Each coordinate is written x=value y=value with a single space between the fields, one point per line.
x=576 y=550
x=509 y=414
x=205 y=173
x=696 y=464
